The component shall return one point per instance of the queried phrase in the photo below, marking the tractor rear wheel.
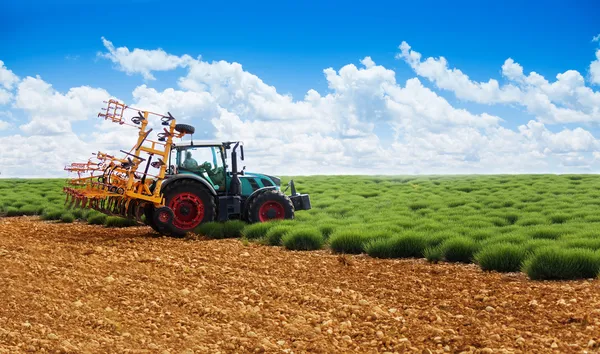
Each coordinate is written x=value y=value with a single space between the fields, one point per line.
x=270 y=205
x=192 y=204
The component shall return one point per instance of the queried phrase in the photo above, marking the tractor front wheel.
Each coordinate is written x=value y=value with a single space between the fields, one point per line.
x=192 y=204
x=149 y=216
x=270 y=205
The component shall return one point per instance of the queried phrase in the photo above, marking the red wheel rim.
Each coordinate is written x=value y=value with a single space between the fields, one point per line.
x=188 y=210
x=163 y=217
x=271 y=211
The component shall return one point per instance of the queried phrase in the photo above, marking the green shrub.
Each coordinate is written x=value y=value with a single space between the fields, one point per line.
x=417 y=205
x=434 y=254
x=326 y=230
x=115 y=221
x=13 y=211
x=553 y=263
x=96 y=219
x=39 y=210
x=348 y=241
x=303 y=239
x=439 y=237
x=535 y=244
x=401 y=246
x=378 y=248
x=513 y=237
x=480 y=235
x=547 y=232
x=589 y=243
x=502 y=257
x=530 y=220
x=459 y=249
x=233 y=228
x=52 y=214
x=67 y=217
x=274 y=235
x=257 y=230
x=77 y=213
x=213 y=229
x=28 y=210
x=559 y=218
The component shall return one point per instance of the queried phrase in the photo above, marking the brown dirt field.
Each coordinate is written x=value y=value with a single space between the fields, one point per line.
x=89 y=289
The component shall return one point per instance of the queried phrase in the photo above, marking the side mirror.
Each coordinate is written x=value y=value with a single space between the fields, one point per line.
x=242 y=151
x=243 y=169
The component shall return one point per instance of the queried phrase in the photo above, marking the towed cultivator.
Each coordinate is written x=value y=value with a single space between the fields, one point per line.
x=175 y=198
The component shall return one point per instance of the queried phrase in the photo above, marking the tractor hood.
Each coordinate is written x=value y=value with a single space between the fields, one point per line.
x=252 y=181
x=276 y=181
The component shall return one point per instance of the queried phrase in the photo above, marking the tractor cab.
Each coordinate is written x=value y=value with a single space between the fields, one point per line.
x=209 y=160
x=205 y=160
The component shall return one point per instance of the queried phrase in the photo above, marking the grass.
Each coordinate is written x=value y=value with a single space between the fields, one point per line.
x=67 y=217
x=553 y=263
x=52 y=214
x=257 y=231
x=115 y=221
x=275 y=234
x=489 y=220
x=96 y=219
x=459 y=249
x=433 y=254
x=400 y=246
x=303 y=239
x=219 y=230
x=348 y=241
x=503 y=257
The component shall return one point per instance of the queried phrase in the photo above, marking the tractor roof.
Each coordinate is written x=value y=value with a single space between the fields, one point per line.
x=205 y=143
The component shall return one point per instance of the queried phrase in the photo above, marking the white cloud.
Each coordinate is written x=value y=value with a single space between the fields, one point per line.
x=7 y=77
x=4 y=125
x=566 y=100
x=41 y=157
x=141 y=61
x=366 y=122
x=5 y=96
x=576 y=140
x=596 y=38
x=7 y=81
x=595 y=69
x=455 y=80
x=52 y=112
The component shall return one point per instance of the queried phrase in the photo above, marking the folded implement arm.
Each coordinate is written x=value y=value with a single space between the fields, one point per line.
x=123 y=185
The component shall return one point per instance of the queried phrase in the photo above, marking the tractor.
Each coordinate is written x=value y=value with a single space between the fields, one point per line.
x=217 y=190
x=182 y=193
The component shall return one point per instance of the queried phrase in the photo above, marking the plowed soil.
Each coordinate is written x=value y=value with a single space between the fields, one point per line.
x=89 y=289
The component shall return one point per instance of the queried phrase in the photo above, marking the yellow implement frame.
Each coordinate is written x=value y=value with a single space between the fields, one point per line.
x=124 y=186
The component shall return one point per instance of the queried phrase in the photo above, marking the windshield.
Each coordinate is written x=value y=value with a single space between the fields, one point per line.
x=204 y=161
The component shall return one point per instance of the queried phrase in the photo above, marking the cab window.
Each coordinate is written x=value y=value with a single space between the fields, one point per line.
x=204 y=161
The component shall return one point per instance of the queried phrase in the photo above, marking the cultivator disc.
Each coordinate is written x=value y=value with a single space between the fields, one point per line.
x=123 y=186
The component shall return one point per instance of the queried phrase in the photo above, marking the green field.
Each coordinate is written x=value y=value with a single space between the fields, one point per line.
x=545 y=225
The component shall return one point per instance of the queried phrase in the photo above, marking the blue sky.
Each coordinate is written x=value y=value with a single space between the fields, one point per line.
x=270 y=37
x=289 y=44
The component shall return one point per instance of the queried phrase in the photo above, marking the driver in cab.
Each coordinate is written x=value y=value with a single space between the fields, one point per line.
x=189 y=163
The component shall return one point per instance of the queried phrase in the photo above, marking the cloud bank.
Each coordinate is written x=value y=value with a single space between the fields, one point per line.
x=365 y=123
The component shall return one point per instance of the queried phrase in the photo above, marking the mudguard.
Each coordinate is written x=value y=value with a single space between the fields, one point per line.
x=172 y=179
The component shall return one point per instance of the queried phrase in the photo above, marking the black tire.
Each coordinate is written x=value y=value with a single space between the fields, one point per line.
x=149 y=214
x=270 y=205
x=185 y=197
x=185 y=128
